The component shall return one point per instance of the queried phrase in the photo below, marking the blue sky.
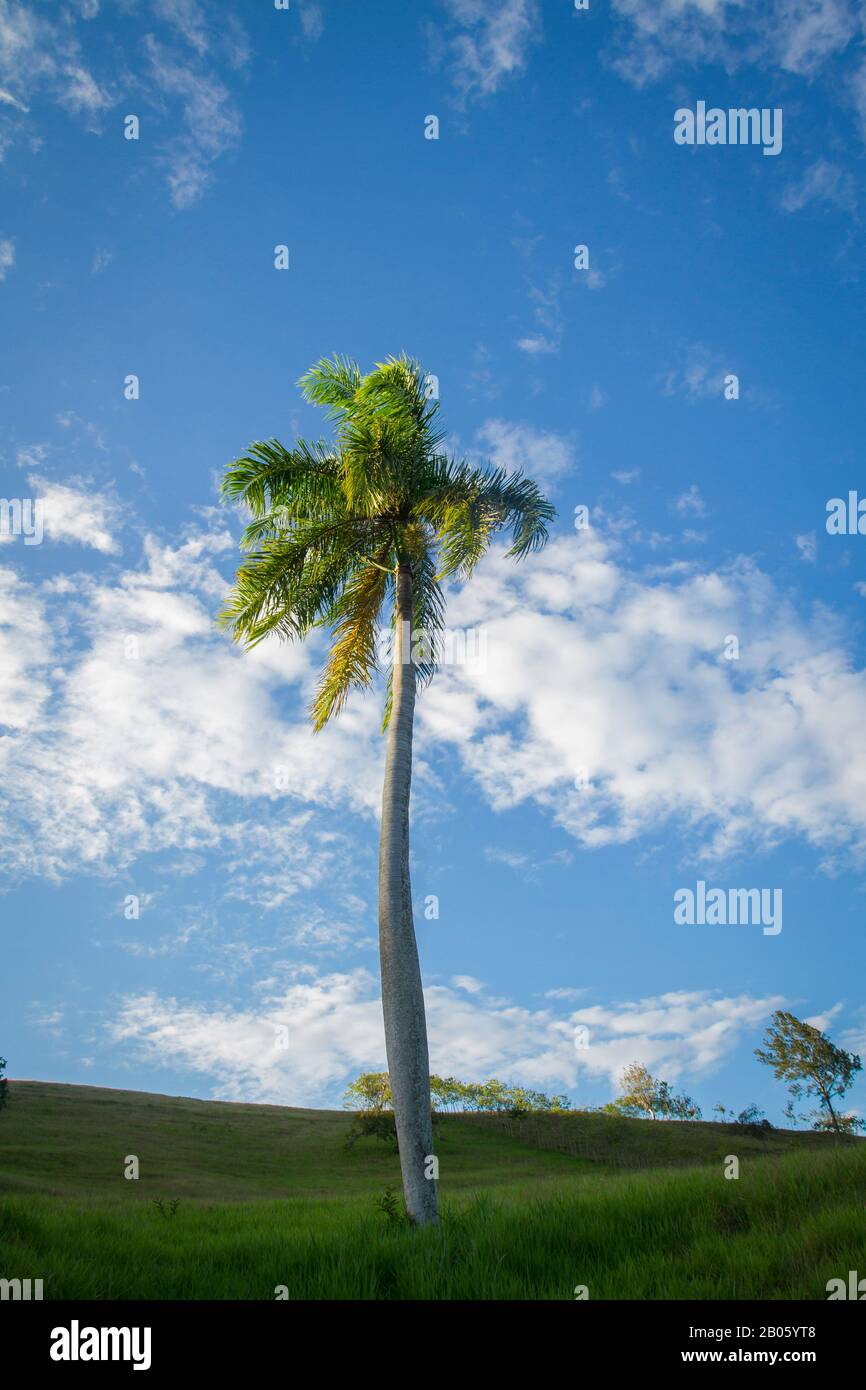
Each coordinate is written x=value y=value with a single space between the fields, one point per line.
x=606 y=752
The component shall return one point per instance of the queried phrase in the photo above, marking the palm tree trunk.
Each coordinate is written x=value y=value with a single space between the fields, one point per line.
x=402 y=995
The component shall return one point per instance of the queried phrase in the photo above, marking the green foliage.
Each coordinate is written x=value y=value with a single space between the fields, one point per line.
x=330 y=524
x=371 y=1091
x=4 y=1086
x=373 y=1124
x=647 y=1095
x=392 y=1206
x=167 y=1209
x=814 y=1067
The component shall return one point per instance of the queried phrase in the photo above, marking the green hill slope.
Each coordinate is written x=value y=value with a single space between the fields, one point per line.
x=268 y=1196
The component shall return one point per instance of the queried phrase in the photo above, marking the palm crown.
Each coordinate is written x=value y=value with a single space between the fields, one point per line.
x=331 y=523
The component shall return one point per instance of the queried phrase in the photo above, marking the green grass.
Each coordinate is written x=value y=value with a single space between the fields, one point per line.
x=269 y=1196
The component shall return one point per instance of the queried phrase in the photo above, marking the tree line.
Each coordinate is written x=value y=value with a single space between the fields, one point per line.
x=816 y=1070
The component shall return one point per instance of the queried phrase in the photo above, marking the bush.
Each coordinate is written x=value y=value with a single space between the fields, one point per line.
x=373 y=1124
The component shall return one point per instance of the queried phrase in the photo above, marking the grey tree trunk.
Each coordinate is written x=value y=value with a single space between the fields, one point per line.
x=402 y=996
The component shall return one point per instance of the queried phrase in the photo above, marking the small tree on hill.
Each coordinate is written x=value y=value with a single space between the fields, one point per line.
x=645 y=1094
x=4 y=1089
x=814 y=1067
x=369 y=1091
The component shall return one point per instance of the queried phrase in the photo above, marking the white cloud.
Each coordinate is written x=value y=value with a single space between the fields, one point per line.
x=822 y=182
x=8 y=100
x=162 y=735
x=484 y=42
x=590 y=667
x=334 y=1030
x=38 y=54
x=212 y=123
x=701 y=376
x=544 y=456
x=548 y=316
x=188 y=17
x=537 y=345
x=690 y=502
x=25 y=653
x=807 y=544
x=7 y=257
x=468 y=983
x=77 y=514
x=822 y=1021
x=312 y=20
x=797 y=36
x=42 y=55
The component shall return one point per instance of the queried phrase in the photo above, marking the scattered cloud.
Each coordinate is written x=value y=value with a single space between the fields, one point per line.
x=546 y=457
x=467 y=983
x=701 y=376
x=593 y=668
x=7 y=257
x=822 y=182
x=483 y=43
x=312 y=20
x=807 y=544
x=142 y=729
x=45 y=55
x=77 y=513
x=796 y=36
x=690 y=502
x=333 y=1029
x=210 y=117
x=548 y=317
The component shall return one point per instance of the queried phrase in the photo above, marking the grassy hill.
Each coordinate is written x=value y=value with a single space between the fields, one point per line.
x=270 y=1196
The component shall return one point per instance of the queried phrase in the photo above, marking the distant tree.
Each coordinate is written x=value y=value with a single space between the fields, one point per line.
x=645 y=1094
x=640 y=1092
x=679 y=1107
x=494 y=1095
x=455 y=1093
x=814 y=1067
x=471 y=1096
x=753 y=1118
x=4 y=1089
x=369 y=1091
x=437 y=1092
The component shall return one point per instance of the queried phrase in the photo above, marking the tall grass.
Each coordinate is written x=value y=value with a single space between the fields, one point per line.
x=785 y=1227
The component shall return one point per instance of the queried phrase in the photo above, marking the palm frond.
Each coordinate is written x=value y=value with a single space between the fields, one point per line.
x=353 y=658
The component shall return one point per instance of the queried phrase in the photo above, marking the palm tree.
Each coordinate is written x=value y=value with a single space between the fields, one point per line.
x=342 y=534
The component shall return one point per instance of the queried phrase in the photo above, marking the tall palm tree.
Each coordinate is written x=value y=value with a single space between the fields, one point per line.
x=341 y=535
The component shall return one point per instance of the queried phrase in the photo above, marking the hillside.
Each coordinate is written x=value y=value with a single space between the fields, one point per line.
x=72 y=1141
x=269 y=1195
